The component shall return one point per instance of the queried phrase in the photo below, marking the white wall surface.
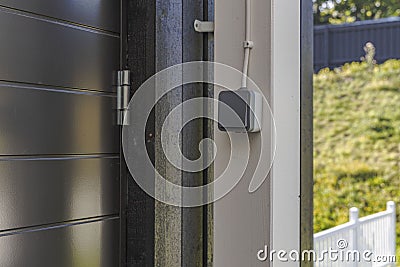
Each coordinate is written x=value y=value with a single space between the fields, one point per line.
x=244 y=223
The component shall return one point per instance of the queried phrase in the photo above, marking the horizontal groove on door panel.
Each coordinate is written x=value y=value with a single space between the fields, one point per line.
x=37 y=122
x=57 y=89
x=92 y=244
x=44 y=192
x=38 y=52
x=56 y=225
x=101 y=14
x=57 y=157
x=57 y=21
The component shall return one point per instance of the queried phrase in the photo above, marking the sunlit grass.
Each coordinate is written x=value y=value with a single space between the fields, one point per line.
x=356 y=141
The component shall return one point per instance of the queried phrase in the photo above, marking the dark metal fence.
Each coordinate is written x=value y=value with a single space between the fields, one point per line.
x=335 y=45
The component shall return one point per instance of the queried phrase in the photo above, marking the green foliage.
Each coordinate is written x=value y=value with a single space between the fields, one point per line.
x=342 y=11
x=356 y=141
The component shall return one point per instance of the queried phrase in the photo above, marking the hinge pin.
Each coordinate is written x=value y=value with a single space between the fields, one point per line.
x=123 y=93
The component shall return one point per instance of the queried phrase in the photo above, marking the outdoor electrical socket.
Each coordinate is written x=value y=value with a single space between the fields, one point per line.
x=240 y=111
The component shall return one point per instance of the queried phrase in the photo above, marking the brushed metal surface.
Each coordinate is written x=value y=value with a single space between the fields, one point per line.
x=59 y=142
x=85 y=245
x=37 y=120
x=41 y=191
x=103 y=14
x=38 y=51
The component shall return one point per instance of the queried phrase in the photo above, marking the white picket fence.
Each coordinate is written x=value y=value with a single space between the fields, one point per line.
x=374 y=234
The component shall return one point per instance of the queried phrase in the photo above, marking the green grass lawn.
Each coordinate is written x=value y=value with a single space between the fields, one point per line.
x=356 y=141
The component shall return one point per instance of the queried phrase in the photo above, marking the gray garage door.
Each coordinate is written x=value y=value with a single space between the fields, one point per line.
x=59 y=143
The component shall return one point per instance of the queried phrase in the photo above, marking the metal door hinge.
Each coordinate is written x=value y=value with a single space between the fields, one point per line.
x=203 y=26
x=123 y=95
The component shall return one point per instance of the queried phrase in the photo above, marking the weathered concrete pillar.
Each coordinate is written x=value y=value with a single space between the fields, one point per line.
x=179 y=231
x=161 y=34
